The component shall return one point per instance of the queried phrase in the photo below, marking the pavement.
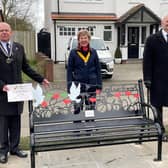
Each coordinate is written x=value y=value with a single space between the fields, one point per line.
x=116 y=156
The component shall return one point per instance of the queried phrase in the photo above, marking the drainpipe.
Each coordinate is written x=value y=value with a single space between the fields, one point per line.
x=55 y=33
x=58 y=6
x=55 y=40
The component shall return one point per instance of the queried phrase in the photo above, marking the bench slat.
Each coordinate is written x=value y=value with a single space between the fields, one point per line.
x=125 y=122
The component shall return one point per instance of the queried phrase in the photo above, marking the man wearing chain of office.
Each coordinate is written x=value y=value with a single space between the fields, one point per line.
x=12 y=62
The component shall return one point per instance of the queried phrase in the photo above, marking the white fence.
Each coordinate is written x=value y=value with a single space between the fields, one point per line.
x=28 y=40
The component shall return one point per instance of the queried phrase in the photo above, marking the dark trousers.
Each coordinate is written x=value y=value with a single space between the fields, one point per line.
x=89 y=105
x=9 y=133
x=160 y=117
x=78 y=107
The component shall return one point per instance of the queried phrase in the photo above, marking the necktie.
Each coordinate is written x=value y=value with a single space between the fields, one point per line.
x=8 y=47
x=167 y=38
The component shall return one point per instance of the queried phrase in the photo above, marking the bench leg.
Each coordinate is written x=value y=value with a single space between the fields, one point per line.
x=32 y=155
x=141 y=135
x=159 y=152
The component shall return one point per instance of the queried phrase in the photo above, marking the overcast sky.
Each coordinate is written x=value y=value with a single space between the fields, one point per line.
x=37 y=13
x=38 y=10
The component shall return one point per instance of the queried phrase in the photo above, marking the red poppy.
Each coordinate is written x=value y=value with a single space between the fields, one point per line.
x=98 y=91
x=127 y=93
x=44 y=104
x=67 y=101
x=136 y=95
x=55 y=96
x=117 y=94
x=92 y=99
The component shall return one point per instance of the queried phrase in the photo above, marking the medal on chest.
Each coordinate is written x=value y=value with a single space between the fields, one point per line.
x=8 y=56
x=84 y=58
x=9 y=60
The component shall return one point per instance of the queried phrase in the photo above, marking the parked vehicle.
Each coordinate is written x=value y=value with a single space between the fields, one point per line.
x=105 y=57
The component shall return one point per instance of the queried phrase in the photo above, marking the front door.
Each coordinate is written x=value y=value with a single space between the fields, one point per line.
x=133 y=42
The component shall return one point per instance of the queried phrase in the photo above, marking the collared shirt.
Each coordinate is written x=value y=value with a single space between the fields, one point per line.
x=4 y=45
x=164 y=33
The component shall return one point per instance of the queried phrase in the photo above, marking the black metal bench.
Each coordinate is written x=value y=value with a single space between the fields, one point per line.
x=120 y=116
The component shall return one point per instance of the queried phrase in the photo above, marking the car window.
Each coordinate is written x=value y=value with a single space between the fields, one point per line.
x=74 y=43
x=97 y=44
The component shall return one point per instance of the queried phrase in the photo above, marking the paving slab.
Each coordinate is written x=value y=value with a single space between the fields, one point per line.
x=116 y=156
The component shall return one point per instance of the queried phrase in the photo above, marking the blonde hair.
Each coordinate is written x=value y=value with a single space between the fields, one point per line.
x=83 y=32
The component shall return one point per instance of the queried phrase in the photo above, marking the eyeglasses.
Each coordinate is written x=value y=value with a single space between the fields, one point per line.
x=4 y=30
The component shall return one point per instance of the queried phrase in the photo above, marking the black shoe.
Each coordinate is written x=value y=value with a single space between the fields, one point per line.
x=165 y=138
x=19 y=153
x=3 y=158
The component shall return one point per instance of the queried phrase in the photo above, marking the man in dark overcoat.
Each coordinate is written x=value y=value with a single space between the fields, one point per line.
x=12 y=63
x=155 y=68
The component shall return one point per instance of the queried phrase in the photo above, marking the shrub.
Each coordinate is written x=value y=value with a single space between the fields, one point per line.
x=118 y=53
x=37 y=66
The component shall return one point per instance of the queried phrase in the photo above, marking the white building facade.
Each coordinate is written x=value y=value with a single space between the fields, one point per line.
x=121 y=23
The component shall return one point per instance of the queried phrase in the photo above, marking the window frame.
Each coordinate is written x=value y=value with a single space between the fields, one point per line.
x=108 y=30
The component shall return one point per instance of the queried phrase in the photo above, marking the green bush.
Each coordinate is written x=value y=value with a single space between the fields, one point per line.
x=118 y=53
x=37 y=66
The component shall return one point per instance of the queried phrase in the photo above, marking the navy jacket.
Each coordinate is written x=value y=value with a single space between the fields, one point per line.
x=89 y=73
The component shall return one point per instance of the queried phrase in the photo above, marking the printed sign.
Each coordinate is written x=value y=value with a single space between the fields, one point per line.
x=20 y=92
x=89 y=113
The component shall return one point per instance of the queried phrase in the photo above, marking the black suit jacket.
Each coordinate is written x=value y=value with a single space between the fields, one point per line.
x=155 y=68
x=12 y=74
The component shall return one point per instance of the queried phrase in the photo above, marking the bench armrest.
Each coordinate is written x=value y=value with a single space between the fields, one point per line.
x=153 y=110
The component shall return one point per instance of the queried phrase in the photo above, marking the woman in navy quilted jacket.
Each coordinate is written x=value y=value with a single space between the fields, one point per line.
x=84 y=68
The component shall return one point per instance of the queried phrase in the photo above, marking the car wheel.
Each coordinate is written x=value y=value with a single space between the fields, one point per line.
x=109 y=76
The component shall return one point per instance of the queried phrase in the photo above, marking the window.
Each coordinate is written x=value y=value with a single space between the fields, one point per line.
x=151 y=29
x=133 y=35
x=66 y=31
x=164 y=1
x=71 y=31
x=97 y=44
x=143 y=34
x=107 y=33
x=90 y=29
